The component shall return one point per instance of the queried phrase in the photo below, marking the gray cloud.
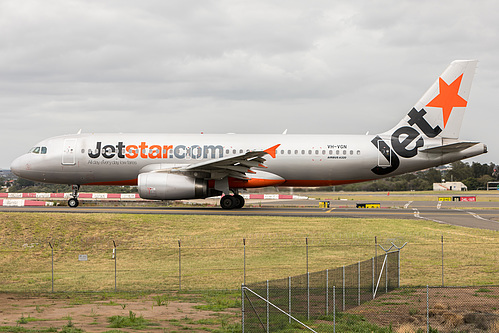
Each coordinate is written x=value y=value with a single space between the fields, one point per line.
x=224 y=66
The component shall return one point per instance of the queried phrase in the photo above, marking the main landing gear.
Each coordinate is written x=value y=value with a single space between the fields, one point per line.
x=232 y=201
x=73 y=201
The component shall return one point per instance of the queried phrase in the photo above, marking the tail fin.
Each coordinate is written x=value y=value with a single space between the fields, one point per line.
x=443 y=105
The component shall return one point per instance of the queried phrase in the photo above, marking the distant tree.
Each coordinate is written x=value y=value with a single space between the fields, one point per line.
x=433 y=176
x=483 y=180
x=471 y=183
x=460 y=171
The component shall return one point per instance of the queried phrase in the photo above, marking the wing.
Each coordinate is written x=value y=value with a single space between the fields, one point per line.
x=236 y=166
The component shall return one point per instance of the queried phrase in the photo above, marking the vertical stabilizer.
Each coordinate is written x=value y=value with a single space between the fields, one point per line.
x=443 y=105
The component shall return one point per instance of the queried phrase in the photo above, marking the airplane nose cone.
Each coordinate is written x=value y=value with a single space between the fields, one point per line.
x=18 y=165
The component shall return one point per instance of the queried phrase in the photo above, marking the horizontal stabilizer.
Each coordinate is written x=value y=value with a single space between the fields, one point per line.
x=453 y=147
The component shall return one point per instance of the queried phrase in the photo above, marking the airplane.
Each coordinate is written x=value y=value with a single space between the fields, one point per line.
x=190 y=166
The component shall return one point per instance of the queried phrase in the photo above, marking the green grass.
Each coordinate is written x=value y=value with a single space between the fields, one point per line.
x=160 y=300
x=212 y=250
x=131 y=321
x=220 y=301
x=28 y=319
x=19 y=329
x=483 y=196
x=344 y=323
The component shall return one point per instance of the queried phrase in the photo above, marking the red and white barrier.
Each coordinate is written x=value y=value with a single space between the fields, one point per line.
x=17 y=199
x=274 y=196
x=68 y=195
x=23 y=203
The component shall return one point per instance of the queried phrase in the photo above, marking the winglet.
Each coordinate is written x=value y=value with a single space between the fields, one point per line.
x=271 y=150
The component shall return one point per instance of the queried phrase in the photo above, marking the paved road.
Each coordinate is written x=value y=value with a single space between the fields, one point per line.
x=483 y=215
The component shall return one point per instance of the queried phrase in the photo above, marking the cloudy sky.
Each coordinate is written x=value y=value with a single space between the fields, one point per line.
x=236 y=66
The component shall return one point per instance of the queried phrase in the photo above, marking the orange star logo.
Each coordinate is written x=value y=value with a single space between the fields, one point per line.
x=448 y=97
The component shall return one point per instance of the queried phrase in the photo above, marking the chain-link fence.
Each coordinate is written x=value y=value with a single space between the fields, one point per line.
x=88 y=263
x=273 y=305
x=403 y=310
x=432 y=309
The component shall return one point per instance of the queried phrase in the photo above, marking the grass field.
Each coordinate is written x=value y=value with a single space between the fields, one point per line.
x=482 y=196
x=212 y=250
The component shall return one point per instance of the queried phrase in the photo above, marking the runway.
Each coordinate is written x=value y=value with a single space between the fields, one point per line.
x=482 y=215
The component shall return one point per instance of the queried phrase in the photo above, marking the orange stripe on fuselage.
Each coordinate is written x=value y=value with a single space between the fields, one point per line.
x=252 y=183
x=317 y=183
x=129 y=182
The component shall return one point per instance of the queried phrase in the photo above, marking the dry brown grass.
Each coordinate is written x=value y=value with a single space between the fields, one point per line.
x=212 y=250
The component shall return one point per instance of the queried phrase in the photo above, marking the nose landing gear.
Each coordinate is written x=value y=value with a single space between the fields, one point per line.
x=73 y=201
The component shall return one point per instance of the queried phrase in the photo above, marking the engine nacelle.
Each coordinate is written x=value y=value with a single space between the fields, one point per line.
x=171 y=186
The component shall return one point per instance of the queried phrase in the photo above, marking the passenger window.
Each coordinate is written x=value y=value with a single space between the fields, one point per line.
x=227 y=151
x=234 y=151
x=303 y=152
x=316 y=152
x=289 y=152
x=344 y=152
x=351 y=152
x=296 y=152
x=337 y=152
x=282 y=152
x=44 y=150
x=330 y=152
x=358 y=152
x=323 y=152
x=310 y=152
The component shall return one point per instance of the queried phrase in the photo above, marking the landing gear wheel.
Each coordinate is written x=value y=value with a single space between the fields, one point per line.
x=228 y=202
x=73 y=202
x=241 y=201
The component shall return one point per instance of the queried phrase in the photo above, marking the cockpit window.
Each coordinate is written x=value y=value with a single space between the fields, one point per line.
x=38 y=150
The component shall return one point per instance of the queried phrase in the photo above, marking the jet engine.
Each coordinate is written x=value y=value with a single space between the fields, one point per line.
x=171 y=186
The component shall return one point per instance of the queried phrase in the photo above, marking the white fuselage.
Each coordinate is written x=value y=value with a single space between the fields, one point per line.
x=301 y=160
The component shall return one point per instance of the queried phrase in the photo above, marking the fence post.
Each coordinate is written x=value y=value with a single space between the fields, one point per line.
x=398 y=268
x=327 y=292
x=179 y=265
x=308 y=283
x=373 y=276
x=242 y=307
x=358 y=271
x=386 y=274
x=442 y=240
x=376 y=254
x=289 y=296
x=244 y=264
x=308 y=296
x=52 y=248
x=306 y=244
x=115 y=267
x=268 y=309
x=343 y=288
x=427 y=310
x=334 y=308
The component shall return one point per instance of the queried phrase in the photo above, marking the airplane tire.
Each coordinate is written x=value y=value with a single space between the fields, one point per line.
x=228 y=202
x=241 y=201
x=73 y=202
